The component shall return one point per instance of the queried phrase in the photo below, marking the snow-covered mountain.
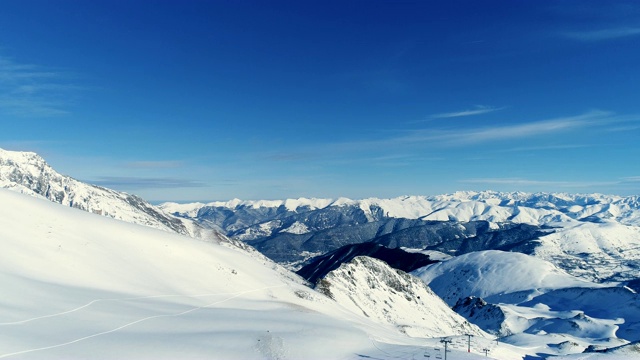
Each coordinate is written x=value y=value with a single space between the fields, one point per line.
x=495 y=276
x=595 y=236
x=535 y=209
x=28 y=173
x=520 y=297
x=76 y=285
x=80 y=283
x=392 y=296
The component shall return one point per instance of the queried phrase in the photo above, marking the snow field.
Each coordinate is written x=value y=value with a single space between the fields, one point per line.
x=77 y=285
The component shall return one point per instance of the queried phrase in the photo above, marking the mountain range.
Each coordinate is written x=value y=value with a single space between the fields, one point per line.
x=592 y=236
x=548 y=274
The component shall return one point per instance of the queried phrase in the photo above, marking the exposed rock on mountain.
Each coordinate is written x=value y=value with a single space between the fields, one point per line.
x=489 y=317
x=396 y=258
x=371 y=287
x=29 y=173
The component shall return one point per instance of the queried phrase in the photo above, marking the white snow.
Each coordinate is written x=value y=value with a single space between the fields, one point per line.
x=495 y=276
x=77 y=285
x=184 y=210
x=28 y=173
x=606 y=251
x=380 y=292
x=536 y=208
x=296 y=228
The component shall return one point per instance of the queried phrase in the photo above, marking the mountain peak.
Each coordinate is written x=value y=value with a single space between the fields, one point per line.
x=29 y=173
x=371 y=287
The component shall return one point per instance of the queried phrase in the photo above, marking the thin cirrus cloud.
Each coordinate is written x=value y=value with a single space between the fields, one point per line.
x=602 y=35
x=478 y=110
x=451 y=137
x=29 y=90
x=461 y=137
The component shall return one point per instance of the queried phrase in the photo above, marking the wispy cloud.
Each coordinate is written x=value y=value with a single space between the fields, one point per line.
x=395 y=146
x=30 y=90
x=603 y=34
x=505 y=132
x=136 y=183
x=477 y=110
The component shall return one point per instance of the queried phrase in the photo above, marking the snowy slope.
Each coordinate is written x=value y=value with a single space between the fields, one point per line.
x=628 y=351
x=82 y=286
x=370 y=286
x=28 y=173
x=495 y=276
x=620 y=304
x=530 y=302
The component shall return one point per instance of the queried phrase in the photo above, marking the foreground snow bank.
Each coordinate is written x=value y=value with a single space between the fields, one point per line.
x=77 y=285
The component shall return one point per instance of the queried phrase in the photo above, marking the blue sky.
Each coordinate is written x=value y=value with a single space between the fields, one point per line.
x=213 y=100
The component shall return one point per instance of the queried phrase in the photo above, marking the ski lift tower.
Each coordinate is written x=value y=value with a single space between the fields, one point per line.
x=469 y=336
x=446 y=342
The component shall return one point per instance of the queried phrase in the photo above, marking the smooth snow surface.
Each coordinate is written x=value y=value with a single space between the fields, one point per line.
x=77 y=285
x=495 y=276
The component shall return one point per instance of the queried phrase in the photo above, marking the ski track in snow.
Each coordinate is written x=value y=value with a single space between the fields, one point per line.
x=128 y=324
x=20 y=322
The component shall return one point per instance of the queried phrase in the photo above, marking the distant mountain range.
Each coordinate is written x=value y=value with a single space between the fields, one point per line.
x=592 y=236
x=464 y=206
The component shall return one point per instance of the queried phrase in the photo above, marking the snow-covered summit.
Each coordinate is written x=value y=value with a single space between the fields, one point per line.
x=28 y=173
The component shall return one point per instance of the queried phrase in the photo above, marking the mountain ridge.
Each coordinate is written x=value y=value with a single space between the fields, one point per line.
x=625 y=209
x=29 y=173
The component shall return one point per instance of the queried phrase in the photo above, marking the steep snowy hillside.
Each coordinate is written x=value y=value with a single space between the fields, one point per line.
x=28 y=173
x=392 y=296
x=80 y=286
x=495 y=276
